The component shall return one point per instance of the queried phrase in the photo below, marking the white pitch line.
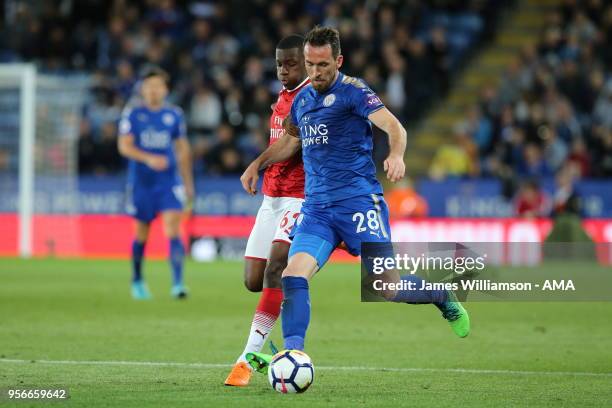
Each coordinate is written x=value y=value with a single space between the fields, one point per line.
x=342 y=368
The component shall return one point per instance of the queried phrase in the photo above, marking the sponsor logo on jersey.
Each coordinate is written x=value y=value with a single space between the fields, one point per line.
x=373 y=100
x=153 y=139
x=314 y=130
x=329 y=100
x=276 y=133
x=314 y=134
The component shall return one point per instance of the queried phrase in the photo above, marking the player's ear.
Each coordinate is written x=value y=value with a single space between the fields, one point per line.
x=339 y=61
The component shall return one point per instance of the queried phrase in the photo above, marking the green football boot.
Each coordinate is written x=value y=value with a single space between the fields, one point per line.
x=259 y=361
x=456 y=315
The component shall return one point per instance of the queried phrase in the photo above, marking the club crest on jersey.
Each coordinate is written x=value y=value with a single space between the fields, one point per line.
x=329 y=100
x=168 y=119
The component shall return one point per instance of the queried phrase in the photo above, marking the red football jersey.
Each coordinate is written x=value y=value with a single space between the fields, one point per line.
x=284 y=179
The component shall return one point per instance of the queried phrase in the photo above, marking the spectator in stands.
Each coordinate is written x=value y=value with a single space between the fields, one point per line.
x=572 y=84
x=221 y=53
x=166 y=19
x=579 y=158
x=603 y=151
x=86 y=147
x=556 y=107
x=567 y=125
x=396 y=84
x=603 y=107
x=438 y=52
x=125 y=79
x=531 y=201
x=205 y=110
x=479 y=128
x=565 y=199
x=510 y=88
x=555 y=150
x=459 y=159
x=224 y=157
x=533 y=163
x=107 y=160
x=405 y=202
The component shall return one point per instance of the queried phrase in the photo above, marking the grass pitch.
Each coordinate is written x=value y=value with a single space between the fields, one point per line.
x=72 y=324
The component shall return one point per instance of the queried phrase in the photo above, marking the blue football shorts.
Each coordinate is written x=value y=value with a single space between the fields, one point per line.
x=320 y=228
x=145 y=202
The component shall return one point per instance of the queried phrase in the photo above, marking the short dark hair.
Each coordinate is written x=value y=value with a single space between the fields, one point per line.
x=320 y=36
x=291 y=41
x=153 y=71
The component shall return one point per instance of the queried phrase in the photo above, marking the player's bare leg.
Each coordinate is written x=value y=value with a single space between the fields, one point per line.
x=172 y=226
x=267 y=311
x=301 y=265
x=254 y=269
x=139 y=289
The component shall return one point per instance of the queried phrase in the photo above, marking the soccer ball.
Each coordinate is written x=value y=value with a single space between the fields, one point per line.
x=291 y=371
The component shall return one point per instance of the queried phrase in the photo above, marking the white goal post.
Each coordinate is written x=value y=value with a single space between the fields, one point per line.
x=23 y=76
x=39 y=121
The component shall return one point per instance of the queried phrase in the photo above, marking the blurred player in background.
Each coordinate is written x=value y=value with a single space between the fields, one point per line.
x=331 y=122
x=283 y=189
x=153 y=137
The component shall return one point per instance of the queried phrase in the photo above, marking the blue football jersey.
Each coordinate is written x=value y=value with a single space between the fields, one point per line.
x=154 y=132
x=336 y=138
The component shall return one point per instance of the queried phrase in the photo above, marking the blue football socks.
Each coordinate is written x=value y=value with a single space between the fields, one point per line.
x=177 y=254
x=295 y=311
x=137 y=255
x=418 y=295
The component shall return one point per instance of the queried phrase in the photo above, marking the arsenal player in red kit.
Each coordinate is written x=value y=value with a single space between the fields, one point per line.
x=283 y=189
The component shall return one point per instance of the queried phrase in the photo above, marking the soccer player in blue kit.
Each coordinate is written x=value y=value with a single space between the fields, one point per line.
x=330 y=121
x=153 y=137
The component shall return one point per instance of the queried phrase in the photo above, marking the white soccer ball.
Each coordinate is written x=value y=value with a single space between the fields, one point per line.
x=291 y=371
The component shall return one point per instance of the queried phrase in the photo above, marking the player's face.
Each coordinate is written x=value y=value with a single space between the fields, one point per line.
x=321 y=66
x=154 y=91
x=290 y=69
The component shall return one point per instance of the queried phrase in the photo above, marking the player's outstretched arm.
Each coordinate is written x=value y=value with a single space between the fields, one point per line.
x=183 y=157
x=394 y=163
x=281 y=150
x=128 y=149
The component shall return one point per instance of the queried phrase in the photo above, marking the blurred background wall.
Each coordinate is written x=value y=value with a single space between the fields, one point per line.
x=508 y=103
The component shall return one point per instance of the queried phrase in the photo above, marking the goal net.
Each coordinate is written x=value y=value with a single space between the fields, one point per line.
x=39 y=125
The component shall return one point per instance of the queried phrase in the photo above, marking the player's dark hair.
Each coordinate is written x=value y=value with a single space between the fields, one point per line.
x=150 y=71
x=320 y=36
x=291 y=41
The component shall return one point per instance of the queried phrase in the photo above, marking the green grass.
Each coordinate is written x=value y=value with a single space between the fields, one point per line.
x=77 y=310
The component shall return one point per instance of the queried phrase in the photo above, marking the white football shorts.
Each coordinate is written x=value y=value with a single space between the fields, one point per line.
x=273 y=223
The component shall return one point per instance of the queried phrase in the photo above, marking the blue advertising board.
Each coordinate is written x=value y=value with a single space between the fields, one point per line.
x=225 y=196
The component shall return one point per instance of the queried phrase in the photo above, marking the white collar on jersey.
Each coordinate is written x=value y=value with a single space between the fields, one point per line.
x=297 y=87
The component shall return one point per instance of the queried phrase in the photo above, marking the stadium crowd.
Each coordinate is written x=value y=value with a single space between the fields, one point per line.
x=220 y=56
x=551 y=115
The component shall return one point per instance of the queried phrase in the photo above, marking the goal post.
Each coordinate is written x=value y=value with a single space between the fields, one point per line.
x=39 y=122
x=21 y=78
